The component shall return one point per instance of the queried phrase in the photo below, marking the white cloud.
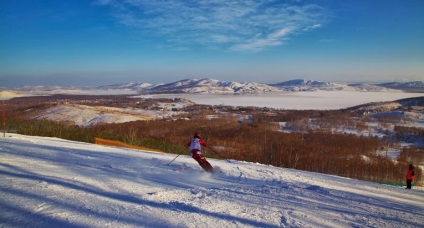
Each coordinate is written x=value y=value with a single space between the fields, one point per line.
x=312 y=27
x=228 y=24
x=259 y=43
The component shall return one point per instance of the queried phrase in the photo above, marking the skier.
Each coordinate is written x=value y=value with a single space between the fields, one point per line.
x=410 y=176
x=195 y=151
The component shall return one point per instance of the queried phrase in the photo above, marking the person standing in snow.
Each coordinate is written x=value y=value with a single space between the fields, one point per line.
x=195 y=151
x=410 y=176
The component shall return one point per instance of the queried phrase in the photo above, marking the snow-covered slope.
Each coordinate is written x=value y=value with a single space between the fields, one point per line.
x=309 y=85
x=403 y=85
x=6 y=95
x=83 y=115
x=404 y=105
x=364 y=87
x=211 y=86
x=49 y=182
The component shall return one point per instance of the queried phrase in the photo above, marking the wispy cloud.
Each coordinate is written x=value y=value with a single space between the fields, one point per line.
x=260 y=42
x=236 y=25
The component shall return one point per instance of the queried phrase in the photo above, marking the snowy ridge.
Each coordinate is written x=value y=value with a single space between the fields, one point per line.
x=310 y=85
x=213 y=86
x=50 y=182
x=303 y=82
x=402 y=105
x=362 y=87
x=414 y=84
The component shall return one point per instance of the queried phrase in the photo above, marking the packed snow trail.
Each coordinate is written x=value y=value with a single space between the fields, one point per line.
x=50 y=182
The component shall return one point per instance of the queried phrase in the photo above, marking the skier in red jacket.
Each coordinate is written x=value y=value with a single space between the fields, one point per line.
x=410 y=176
x=195 y=151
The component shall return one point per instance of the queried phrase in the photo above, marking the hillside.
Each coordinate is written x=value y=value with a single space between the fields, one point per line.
x=414 y=86
x=49 y=182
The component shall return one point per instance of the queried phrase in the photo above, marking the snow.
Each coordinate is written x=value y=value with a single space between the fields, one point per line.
x=50 y=182
x=6 y=95
x=83 y=115
x=316 y=100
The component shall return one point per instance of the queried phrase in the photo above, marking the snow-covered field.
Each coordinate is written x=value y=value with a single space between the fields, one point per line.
x=316 y=100
x=83 y=115
x=50 y=182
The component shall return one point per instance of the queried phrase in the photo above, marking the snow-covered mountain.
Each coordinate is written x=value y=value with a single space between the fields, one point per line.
x=213 y=86
x=51 y=182
x=309 y=85
x=417 y=86
x=403 y=84
x=364 y=87
x=303 y=82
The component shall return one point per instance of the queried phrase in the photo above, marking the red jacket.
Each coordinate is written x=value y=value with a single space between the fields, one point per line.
x=195 y=144
x=410 y=174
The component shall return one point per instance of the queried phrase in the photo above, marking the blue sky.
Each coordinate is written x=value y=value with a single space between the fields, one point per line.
x=99 y=42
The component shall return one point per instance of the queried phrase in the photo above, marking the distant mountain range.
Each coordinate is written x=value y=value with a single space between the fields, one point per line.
x=213 y=86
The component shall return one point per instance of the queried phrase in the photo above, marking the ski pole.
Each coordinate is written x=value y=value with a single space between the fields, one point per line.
x=216 y=152
x=175 y=157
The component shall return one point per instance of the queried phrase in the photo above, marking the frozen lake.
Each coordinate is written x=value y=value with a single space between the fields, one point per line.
x=318 y=100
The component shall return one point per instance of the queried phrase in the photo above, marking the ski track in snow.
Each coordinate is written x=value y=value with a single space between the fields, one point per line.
x=50 y=182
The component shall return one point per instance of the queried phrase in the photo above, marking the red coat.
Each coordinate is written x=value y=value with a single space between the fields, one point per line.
x=195 y=144
x=410 y=174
